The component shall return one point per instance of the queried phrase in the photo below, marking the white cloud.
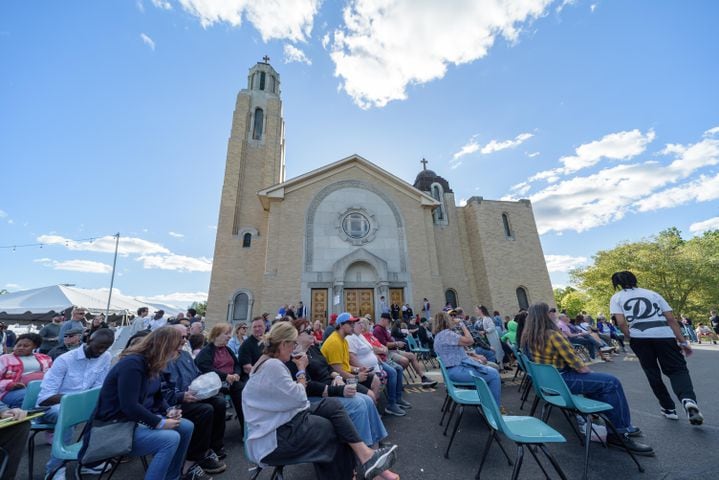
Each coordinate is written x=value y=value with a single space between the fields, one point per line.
x=3 y=214
x=325 y=40
x=180 y=263
x=212 y=227
x=178 y=299
x=593 y=7
x=274 y=19
x=462 y=202
x=86 y=266
x=615 y=146
x=470 y=147
x=703 y=226
x=533 y=154
x=163 y=4
x=140 y=6
x=14 y=286
x=521 y=188
x=491 y=147
x=128 y=245
x=386 y=45
x=294 y=54
x=176 y=235
x=148 y=41
x=563 y=263
x=585 y=202
x=496 y=146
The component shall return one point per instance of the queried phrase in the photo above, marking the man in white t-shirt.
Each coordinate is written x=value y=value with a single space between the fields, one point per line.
x=655 y=337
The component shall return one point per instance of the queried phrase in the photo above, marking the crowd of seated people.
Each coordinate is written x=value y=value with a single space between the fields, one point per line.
x=292 y=381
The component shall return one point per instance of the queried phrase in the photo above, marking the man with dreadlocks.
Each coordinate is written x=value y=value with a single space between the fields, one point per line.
x=656 y=339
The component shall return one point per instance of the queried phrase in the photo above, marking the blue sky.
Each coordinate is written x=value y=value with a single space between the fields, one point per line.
x=115 y=116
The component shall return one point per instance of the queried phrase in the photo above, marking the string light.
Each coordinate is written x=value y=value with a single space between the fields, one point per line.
x=41 y=245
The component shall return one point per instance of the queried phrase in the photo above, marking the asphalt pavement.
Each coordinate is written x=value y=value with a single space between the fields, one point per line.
x=682 y=451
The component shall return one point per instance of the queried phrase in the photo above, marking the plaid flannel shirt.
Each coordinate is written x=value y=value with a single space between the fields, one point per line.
x=558 y=352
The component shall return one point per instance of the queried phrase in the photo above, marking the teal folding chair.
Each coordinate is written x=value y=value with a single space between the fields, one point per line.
x=550 y=387
x=522 y=430
x=36 y=426
x=462 y=397
x=422 y=353
x=75 y=409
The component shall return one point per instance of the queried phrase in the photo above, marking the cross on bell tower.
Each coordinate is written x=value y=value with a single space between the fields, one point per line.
x=424 y=163
x=266 y=59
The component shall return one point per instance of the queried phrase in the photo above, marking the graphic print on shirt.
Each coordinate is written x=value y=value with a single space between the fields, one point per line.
x=642 y=309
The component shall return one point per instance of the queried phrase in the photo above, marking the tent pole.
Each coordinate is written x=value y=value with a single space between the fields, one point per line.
x=112 y=279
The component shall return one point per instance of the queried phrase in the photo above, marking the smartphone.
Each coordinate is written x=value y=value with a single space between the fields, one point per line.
x=35 y=410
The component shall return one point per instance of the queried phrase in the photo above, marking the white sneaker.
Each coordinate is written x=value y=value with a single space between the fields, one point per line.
x=59 y=475
x=695 y=416
x=671 y=414
x=97 y=470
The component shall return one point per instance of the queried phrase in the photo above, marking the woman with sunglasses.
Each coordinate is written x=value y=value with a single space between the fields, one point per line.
x=237 y=339
x=284 y=427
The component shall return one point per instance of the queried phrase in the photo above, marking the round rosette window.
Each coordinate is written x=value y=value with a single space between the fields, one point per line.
x=357 y=226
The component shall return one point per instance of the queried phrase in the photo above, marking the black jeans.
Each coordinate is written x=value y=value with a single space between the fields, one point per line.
x=319 y=435
x=208 y=416
x=663 y=355
x=235 y=393
x=13 y=440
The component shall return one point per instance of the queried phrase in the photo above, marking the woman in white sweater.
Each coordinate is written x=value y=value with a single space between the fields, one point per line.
x=491 y=330
x=283 y=428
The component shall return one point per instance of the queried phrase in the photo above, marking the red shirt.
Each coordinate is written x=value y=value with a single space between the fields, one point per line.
x=375 y=343
x=223 y=361
x=318 y=335
x=382 y=335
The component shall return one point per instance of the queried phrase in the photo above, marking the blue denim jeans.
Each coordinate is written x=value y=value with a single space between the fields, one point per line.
x=588 y=342
x=14 y=398
x=394 y=381
x=604 y=388
x=167 y=447
x=363 y=413
x=461 y=373
x=488 y=354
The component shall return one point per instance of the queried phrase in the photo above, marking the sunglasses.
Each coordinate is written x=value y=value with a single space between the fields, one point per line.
x=308 y=331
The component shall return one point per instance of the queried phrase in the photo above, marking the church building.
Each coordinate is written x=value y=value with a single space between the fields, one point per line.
x=342 y=236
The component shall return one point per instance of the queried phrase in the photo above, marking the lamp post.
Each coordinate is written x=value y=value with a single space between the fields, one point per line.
x=112 y=279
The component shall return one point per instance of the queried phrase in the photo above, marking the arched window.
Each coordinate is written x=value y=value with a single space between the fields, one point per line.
x=240 y=308
x=522 y=298
x=507 y=229
x=262 y=80
x=258 y=123
x=246 y=240
x=273 y=84
x=252 y=81
x=450 y=296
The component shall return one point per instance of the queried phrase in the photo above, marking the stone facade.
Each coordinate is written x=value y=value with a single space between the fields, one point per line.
x=341 y=236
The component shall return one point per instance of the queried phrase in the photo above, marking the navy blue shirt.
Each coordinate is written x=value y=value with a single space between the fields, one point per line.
x=182 y=371
x=129 y=393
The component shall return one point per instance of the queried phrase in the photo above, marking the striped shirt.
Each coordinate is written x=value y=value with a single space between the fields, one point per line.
x=558 y=352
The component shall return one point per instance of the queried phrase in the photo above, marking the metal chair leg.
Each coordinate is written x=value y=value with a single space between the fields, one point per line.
x=485 y=452
x=534 y=455
x=535 y=404
x=454 y=432
x=587 y=443
x=614 y=432
x=31 y=454
x=518 y=463
x=496 y=437
x=447 y=404
x=449 y=420
x=553 y=461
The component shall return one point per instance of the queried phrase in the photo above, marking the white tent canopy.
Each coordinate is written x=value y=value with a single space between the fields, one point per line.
x=58 y=298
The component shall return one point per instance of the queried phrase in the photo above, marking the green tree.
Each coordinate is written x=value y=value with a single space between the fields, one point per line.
x=200 y=307
x=684 y=272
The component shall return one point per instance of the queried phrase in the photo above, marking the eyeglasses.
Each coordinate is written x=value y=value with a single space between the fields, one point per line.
x=243 y=328
x=184 y=337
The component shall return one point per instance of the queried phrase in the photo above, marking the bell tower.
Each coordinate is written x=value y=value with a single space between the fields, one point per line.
x=255 y=160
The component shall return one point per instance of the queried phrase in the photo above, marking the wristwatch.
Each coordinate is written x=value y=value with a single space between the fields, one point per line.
x=683 y=344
